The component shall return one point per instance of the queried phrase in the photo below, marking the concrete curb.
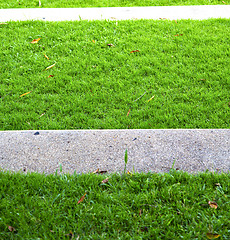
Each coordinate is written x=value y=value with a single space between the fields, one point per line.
x=151 y=150
x=116 y=13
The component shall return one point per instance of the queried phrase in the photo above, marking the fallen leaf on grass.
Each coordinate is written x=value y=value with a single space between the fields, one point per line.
x=46 y=57
x=50 y=66
x=110 y=45
x=12 y=229
x=213 y=204
x=100 y=172
x=150 y=98
x=134 y=51
x=178 y=35
x=70 y=234
x=105 y=180
x=51 y=76
x=81 y=199
x=223 y=2
x=93 y=41
x=36 y=40
x=25 y=94
x=128 y=113
x=96 y=171
x=212 y=235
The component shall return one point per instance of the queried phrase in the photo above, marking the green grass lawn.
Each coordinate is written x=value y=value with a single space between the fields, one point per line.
x=182 y=67
x=103 y=3
x=174 y=205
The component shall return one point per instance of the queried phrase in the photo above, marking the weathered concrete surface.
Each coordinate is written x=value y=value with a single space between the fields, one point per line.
x=116 y=13
x=87 y=150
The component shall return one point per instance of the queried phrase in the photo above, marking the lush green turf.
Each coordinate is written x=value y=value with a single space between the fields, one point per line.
x=103 y=3
x=183 y=64
x=139 y=206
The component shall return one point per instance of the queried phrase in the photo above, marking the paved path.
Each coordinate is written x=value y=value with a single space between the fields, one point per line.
x=87 y=150
x=119 y=13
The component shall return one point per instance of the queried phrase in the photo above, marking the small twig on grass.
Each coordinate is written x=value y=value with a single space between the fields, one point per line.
x=140 y=96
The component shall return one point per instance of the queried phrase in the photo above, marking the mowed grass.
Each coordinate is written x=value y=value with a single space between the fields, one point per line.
x=178 y=79
x=174 y=205
x=103 y=3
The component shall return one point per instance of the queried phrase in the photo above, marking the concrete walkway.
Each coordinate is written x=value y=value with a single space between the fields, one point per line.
x=88 y=150
x=119 y=13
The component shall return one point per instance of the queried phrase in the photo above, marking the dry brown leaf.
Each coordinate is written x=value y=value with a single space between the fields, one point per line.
x=93 y=41
x=12 y=229
x=25 y=94
x=110 y=45
x=70 y=234
x=46 y=57
x=150 y=98
x=105 y=180
x=81 y=199
x=128 y=113
x=212 y=235
x=213 y=204
x=134 y=51
x=96 y=171
x=50 y=66
x=36 y=40
x=100 y=172
x=51 y=76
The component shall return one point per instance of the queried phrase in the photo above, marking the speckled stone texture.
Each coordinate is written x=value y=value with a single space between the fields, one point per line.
x=86 y=150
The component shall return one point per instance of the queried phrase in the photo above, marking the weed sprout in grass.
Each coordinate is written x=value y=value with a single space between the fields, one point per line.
x=126 y=160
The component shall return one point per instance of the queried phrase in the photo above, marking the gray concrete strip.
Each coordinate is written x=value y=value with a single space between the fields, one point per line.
x=86 y=150
x=116 y=13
